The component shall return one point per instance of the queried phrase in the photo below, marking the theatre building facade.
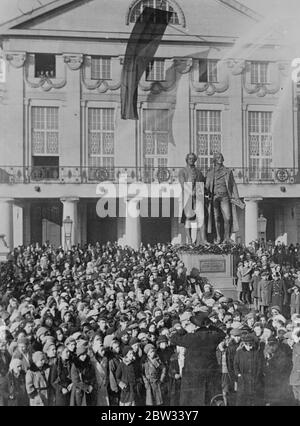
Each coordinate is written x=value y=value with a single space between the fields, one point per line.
x=212 y=86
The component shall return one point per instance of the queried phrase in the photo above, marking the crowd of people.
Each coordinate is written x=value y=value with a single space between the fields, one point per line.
x=104 y=325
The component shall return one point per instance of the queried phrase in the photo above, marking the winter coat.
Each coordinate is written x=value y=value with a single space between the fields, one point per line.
x=239 y=287
x=101 y=372
x=4 y=366
x=254 y=282
x=37 y=386
x=264 y=293
x=277 y=373
x=174 y=384
x=295 y=374
x=200 y=374
x=83 y=376
x=113 y=364
x=154 y=376
x=16 y=390
x=230 y=355
x=295 y=304
x=126 y=374
x=278 y=293
x=26 y=359
x=60 y=378
x=248 y=368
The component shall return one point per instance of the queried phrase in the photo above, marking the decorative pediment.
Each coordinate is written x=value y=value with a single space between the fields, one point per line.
x=213 y=18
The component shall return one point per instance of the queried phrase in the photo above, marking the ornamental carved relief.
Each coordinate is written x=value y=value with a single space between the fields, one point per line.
x=210 y=88
x=177 y=67
x=16 y=59
x=74 y=61
x=44 y=82
x=237 y=66
x=101 y=85
x=263 y=89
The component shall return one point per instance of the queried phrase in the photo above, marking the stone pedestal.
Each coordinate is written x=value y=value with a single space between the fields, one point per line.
x=218 y=269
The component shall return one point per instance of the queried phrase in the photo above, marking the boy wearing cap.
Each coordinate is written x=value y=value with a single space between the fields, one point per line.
x=154 y=376
x=125 y=376
x=113 y=363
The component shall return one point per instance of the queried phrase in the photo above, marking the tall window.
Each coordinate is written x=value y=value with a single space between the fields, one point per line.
x=156 y=4
x=101 y=68
x=260 y=145
x=45 y=132
x=156 y=139
x=208 y=71
x=259 y=72
x=45 y=143
x=156 y=70
x=101 y=141
x=209 y=136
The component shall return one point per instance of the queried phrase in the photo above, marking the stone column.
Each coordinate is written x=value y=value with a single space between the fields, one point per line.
x=6 y=223
x=251 y=216
x=26 y=223
x=70 y=206
x=177 y=236
x=133 y=233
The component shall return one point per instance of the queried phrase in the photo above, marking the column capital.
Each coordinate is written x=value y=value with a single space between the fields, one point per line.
x=253 y=199
x=6 y=200
x=69 y=199
x=73 y=60
x=16 y=59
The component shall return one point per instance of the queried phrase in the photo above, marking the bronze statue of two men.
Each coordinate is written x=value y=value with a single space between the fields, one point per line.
x=209 y=203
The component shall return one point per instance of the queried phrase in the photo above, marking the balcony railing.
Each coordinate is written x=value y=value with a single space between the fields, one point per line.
x=92 y=175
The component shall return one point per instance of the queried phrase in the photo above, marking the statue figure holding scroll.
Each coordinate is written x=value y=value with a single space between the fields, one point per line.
x=192 y=184
x=223 y=199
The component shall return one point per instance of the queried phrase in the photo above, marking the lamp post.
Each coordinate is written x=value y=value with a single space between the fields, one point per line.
x=68 y=224
x=261 y=228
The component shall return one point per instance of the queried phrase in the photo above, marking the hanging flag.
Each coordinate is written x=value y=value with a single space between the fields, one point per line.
x=141 y=48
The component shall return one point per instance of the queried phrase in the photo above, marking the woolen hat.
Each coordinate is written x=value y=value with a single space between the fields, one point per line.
x=148 y=347
x=82 y=349
x=162 y=339
x=47 y=346
x=248 y=338
x=126 y=349
x=236 y=332
x=41 y=331
x=37 y=356
x=199 y=319
x=134 y=341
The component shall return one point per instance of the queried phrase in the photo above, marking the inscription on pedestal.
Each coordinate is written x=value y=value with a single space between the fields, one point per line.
x=212 y=265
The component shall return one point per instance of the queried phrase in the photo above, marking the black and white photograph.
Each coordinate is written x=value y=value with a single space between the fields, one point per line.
x=149 y=206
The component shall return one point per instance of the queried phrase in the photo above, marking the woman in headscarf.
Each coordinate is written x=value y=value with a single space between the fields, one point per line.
x=37 y=380
x=16 y=387
x=60 y=378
